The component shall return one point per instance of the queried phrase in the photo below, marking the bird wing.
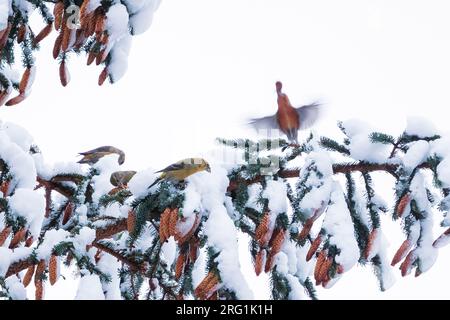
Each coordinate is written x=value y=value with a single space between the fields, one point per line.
x=93 y=157
x=269 y=122
x=104 y=149
x=308 y=115
x=173 y=167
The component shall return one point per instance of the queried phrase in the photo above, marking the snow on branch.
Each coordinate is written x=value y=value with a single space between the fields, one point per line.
x=308 y=225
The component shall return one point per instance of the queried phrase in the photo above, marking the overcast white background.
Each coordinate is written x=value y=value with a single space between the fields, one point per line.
x=205 y=66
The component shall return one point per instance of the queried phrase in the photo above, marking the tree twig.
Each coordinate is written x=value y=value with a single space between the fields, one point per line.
x=337 y=168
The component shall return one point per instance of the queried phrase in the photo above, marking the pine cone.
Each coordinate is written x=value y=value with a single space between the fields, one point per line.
x=418 y=272
x=66 y=36
x=401 y=252
x=79 y=39
x=442 y=239
x=39 y=293
x=4 y=95
x=340 y=269
x=22 y=33
x=200 y=291
x=18 y=237
x=172 y=222
x=4 y=188
x=57 y=46
x=100 y=22
x=179 y=266
x=24 y=81
x=101 y=56
x=131 y=221
x=63 y=75
x=269 y=262
x=28 y=276
x=91 y=57
x=211 y=287
x=68 y=211
x=326 y=281
x=104 y=40
x=83 y=10
x=98 y=256
x=103 y=76
x=29 y=241
x=259 y=261
x=277 y=241
x=309 y=224
x=164 y=226
x=404 y=201
x=323 y=274
x=180 y=296
x=53 y=269
x=58 y=12
x=314 y=246
x=40 y=269
x=43 y=34
x=16 y=100
x=370 y=242
x=2 y=35
x=90 y=24
x=262 y=229
x=306 y=229
x=4 y=235
x=320 y=260
x=5 y=36
x=69 y=258
x=193 y=250
x=405 y=267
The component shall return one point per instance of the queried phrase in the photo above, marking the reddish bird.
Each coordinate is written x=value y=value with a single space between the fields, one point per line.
x=288 y=119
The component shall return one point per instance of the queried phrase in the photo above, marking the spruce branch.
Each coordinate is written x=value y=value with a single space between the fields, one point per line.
x=343 y=168
x=134 y=266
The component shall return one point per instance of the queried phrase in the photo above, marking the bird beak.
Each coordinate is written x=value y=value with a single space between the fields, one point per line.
x=208 y=168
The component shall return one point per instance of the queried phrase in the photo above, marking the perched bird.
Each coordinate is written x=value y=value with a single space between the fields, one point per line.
x=120 y=179
x=93 y=156
x=288 y=119
x=182 y=169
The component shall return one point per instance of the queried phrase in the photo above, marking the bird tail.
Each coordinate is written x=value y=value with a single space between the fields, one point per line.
x=83 y=160
x=292 y=135
x=154 y=183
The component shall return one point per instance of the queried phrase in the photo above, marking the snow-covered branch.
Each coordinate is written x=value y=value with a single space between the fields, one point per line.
x=312 y=216
x=101 y=29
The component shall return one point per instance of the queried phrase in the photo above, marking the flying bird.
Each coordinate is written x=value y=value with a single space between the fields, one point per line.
x=288 y=119
x=120 y=179
x=180 y=170
x=93 y=156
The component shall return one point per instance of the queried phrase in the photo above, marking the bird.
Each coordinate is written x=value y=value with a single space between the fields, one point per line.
x=120 y=179
x=288 y=119
x=180 y=170
x=93 y=156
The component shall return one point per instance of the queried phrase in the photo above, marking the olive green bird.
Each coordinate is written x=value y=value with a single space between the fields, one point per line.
x=120 y=179
x=93 y=156
x=180 y=170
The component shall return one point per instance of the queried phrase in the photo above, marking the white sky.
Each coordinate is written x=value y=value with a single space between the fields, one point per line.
x=205 y=66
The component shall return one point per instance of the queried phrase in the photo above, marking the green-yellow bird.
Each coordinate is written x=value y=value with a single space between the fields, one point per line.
x=93 y=156
x=180 y=170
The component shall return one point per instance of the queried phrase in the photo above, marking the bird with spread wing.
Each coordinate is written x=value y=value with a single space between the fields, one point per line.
x=288 y=119
x=180 y=170
x=93 y=156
